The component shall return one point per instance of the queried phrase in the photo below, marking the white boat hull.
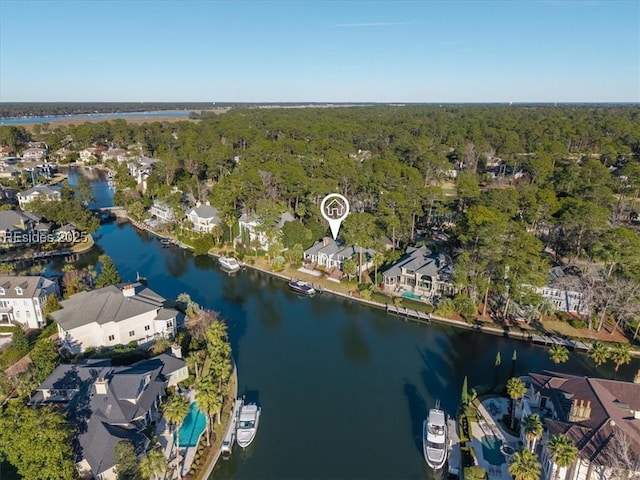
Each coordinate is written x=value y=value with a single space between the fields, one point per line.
x=434 y=440
x=245 y=434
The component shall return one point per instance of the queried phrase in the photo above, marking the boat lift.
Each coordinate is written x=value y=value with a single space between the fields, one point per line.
x=230 y=436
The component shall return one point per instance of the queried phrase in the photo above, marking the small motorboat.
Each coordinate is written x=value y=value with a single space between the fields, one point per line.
x=165 y=242
x=434 y=438
x=301 y=287
x=229 y=264
x=247 y=424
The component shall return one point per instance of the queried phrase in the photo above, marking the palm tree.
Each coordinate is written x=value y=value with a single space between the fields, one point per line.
x=516 y=390
x=153 y=465
x=378 y=260
x=525 y=466
x=532 y=430
x=558 y=353
x=562 y=452
x=193 y=361
x=599 y=353
x=621 y=354
x=174 y=412
x=209 y=402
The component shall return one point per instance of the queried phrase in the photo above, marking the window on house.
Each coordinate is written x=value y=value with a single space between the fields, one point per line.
x=18 y=291
x=147 y=328
x=132 y=333
x=169 y=324
x=1 y=291
x=111 y=338
x=28 y=314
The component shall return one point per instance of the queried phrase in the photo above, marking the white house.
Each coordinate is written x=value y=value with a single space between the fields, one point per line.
x=114 y=315
x=34 y=153
x=203 y=218
x=22 y=300
x=14 y=224
x=162 y=211
x=330 y=254
x=41 y=192
x=563 y=291
x=420 y=274
x=88 y=154
x=252 y=229
x=141 y=168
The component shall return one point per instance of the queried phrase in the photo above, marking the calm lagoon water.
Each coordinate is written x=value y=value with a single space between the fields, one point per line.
x=344 y=388
x=93 y=116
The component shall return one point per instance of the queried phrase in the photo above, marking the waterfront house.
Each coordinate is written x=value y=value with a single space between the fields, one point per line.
x=162 y=211
x=118 y=154
x=331 y=254
x=5 y=150
x=34 y=153
x=114 y=315
x=15 y=223
x=420 y=274
x=141 y=168
x=563 y=291
x=601 y=417
x=40 y=192
x=203 y=218
x=23 y=298
x=9 y=171
x=88 y=155
x=252 y=229
x=109 y=404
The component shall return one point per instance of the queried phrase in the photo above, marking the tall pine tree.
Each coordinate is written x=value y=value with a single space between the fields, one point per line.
x=109 y=274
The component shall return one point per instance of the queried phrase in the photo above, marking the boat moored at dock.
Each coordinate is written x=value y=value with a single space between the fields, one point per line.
x=247 y=424
x=434 y=438
x=229 y=264
x=301 y=287
x=230 y=436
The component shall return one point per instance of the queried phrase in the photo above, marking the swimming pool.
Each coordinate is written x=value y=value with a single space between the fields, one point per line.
x=410 y=295
x=192 y=426
x=491 y=450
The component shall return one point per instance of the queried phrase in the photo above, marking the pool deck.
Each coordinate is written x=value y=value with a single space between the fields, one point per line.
x=490 y=410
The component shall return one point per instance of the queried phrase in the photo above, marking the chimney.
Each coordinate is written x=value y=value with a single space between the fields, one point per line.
x=176 y=350
x=636 y=379
x=586 y=414
x=101 y=386
x=580 y=412
x=129 y=290
x=325 y=241
x=573 y=417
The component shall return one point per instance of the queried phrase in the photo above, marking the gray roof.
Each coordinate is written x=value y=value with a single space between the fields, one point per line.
x=166 y=314
x=424 y=262
x=337 y=249
x=284 y=218
x=11 y=220
x=205 y=211
x=31 y=286
x=40 y=189
x=105 y=419
x=105 y=305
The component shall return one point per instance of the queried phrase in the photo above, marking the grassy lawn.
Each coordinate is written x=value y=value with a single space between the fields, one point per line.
x=563 y=328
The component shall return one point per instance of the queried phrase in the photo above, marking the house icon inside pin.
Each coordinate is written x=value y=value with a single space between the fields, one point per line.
x=334 y=209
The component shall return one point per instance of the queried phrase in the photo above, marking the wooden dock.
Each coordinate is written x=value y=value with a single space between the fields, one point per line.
x=408 y=313
x=230 y=435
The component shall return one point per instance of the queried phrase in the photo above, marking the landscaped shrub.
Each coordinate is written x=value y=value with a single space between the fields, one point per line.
x=578 y=323
x=474 y=473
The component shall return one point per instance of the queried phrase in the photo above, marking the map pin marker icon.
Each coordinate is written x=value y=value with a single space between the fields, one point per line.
x=334 y=208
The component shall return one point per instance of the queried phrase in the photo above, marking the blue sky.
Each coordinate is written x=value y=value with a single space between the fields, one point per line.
x=303 y=51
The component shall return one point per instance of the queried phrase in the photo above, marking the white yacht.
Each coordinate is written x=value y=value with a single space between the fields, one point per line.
x=247 y=424
x=434 y=438
x=229 y=264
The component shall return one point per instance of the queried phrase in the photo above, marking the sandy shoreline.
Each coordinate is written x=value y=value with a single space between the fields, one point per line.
x=65 y=122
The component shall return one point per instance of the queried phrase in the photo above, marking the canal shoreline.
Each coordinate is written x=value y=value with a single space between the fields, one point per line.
x=541 y=338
